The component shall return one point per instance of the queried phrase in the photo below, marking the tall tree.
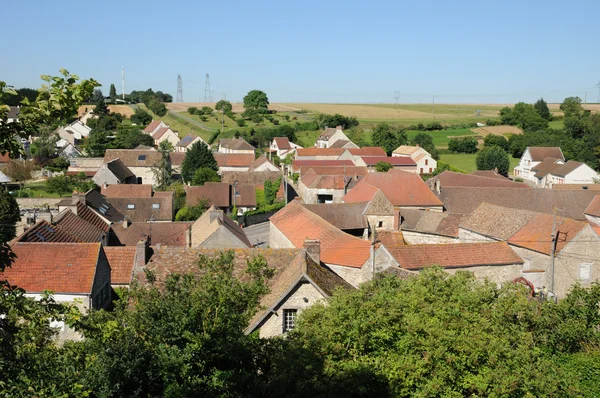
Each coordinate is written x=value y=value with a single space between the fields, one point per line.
x=542 y=109
x=97 y=95
x=113 y=93
x=223 y=106
x=389 y=138
x=163 y=173
x=204 y=175
x=425 y=141
x=197 y=157
x=256 y=102
x=490 y=158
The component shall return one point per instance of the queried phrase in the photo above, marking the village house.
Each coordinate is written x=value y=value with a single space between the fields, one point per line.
x=214 y=230
x=552 y=171
x=403 y=190
x=356 y=153
x=425 y=163
x=234 y=161
x=429 y=227
x=318 y=153
x=329 y=136
x=298 y=281
x=298 y=164
x=327 y=184
x=448 y=179
x=530 y=235
x=355 y=260
x=255 y=178
x=165 y=134
x=93 y=207
x=186 y=143
x=282 y=147
x=67 y=150
x=113 y=172
x=156 y=234
x=534 y=156
x=122 y=261
x=87 y=166
x=222 y=196
x=139 y=202
x=235 y=145
x=262 y=164
x=74 y=132
x=345 y=144
x=76 y=273
x=176 y=160
x=592 y=212
x=154 y=126
x=403 y=164
x=140 y=161
x=495 y=261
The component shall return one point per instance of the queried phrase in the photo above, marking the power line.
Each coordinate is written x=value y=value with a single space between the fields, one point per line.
x=179 y=89
x=207 y=90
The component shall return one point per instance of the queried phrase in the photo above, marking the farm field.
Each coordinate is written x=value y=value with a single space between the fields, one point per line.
x=466 y=161
x=214 y=121
x=497 y=130
x=441 y=138
x=124 y=110
x=238 y=107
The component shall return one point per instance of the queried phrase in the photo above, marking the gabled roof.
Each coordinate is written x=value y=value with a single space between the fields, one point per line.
x=158 y=207
x=315 y=181
x=341 y=215
x=394 y=161
x=329 y=132
x=119 y=169
x=349 y=171
x=314 y=151
x=431 y=222
x=297 y=164
x=540 y=153
x=121 y=260
x=368 y=151
x=452 y=179
x=234 y=159
x=127 y=191
x=546 y=166
x=217 y=193
x=160 y=132
x=82 y=229
x=43 y=231
x=536 y=235
x=401 y=189
x=406 y=150
x=158 y=233
x=488 y=173
x=298 y=224
x=133 y=157
x=97 y=210
x=187 y=140
x=282 y=142
x=152 y=126
x=342 y=144
x=59 y=267
x=594 y=208
x=256 y=178
x=236 y=144
x=260 y=161
x=464 y=200
x=496 y=221
x=390 y=238
x=245 y=195
x=457 y=255
x=565 y=169
x=177 y=158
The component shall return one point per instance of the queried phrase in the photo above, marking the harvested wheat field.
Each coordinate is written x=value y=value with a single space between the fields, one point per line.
x=363 y=111
x=237 y=106
x=124 y=110
x=497 y=130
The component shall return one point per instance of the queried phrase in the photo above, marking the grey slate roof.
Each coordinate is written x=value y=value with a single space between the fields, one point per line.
x=119 y=169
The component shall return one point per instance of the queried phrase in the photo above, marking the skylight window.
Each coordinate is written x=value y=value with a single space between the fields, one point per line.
x=130 y=206
x=141 y=157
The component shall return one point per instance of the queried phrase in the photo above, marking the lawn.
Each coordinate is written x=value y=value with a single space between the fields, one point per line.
x=307 y=139
x=441 y=138
x=38 y=190
x=181 y=126
x=556 y=124
x=466 y=161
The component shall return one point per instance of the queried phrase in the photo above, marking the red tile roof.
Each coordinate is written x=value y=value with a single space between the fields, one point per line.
x=234 y=159
x=536 y=235
x=59 y=267
x=368 y=151
x=150 y=128
x=177 y=158
x=159 y=233
x=335 y=170
x=394 y=161
x=121 y=260
x=83 y=230
x=455 y=255
x=314 y=151
x=297 y=164
x=594 y=208
x=339 y=248
x=127 y=191
x=401 y=189
x=282 y=142
x=43 y=231
x=160 y=132
x=453 y=179
x=217 y=193
x=540 y=153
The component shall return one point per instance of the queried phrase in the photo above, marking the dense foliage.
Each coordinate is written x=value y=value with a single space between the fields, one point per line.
x=256 y=103
x=197 y=157
x=523 y=115
x=425 y=141
x=163 y=172
x=382 y=167
x=463 y=145
x=204 y=175
x=496 y=140
x=491 y=158
x=140 y=117
x=63 y=184
x=346 y=122
x=271 y=188
x=388 y=137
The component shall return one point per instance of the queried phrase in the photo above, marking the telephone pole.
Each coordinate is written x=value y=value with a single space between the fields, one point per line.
x=553 y=246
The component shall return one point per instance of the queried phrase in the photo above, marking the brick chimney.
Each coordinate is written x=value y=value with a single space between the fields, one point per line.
x=397 y=220
x=125 y=223
x=142 y=253
x=313 y=249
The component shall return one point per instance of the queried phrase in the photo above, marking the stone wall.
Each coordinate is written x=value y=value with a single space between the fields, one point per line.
x=418 y=238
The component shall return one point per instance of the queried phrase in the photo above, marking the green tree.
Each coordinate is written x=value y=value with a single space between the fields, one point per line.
x=130 y=138
x=113 y=93
x=271 y=189
x=97 y=143
x=8 y=131
x=9 y=216
x=60 y=185
x=206 y=110
x=571 y=106
x=224 y=106
x=97 y=95
x=197 y=157
x=463 y=145
x=192 y=110
x=496 y=140
x=490 y=158
x=141 y=117
x=163 y=172
x=389 y=138
x=191 y=213
x=382 y=167
x=256 y=101
x=523 y=115
x=205 y=174
x=425 y=141
x=541 y=107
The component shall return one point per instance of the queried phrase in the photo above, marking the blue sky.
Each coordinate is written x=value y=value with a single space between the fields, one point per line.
x=313 y=51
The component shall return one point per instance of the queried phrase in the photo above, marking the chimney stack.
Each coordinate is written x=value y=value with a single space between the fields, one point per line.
x=313 y=249
x=125 y=223
x=338 y=128
x=142 y=253
x=397 y=220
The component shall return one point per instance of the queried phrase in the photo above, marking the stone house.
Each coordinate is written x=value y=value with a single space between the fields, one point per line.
x=113 y=172
x=297 y=165
x=592 y=213
x=354 y=259
x=187 y=142
x=575 y=245
x=327 y=185
x=426 y=164
x=74 y=132
x=235 y=145
x=154 y=126
x=87 y=166
x=165 y=134
x=262 y=164
x=157 y=234
x=214 y=230
x=534 y=156
x=316 y=153
x=223 y=196
x=429 y=227
x=234 y=161
x=281 y=146
x=330 y=135
x=139 y=161
x=346 y=144
x=139 y=202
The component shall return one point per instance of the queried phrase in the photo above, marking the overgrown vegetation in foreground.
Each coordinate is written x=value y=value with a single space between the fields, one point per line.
x=431 y=335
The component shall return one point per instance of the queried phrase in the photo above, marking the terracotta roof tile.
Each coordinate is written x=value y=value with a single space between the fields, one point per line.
x=453 y=179
x=59 y=267
x=341 y=215
x=177 y=158
x=150 y=128
x=282 y=142
x=314 y=151
x=121 y=260
x=298 y=224
x=350 y=171
x=540 y=153
x=594 y=208
x=496 y=221
x=394 y=161
x=391 y=238
x=217 y=193
x=536 y=235
x=234 y=159
x=246 y=196
x=160 y=132
x=431 y=222
x=298 y=164
x=43 y=231
x=127 y=191
x=83 y=230
x=256 y=178
x=585 y=187
x=133 y=157
x=159 y=233
x=488 y=173
x=455 y=255
x=236 y=144
x=368 y=151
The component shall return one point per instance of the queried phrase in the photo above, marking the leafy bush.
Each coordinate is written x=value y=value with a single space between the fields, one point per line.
x=383 y=167
x=192 y=110
x=241 y=122
x=213 y=137
x=491 y=158
x=271 y=188
x=463 y=145
x=496 y=140
x=141 y=117
x=265 y=209
x=275 y=122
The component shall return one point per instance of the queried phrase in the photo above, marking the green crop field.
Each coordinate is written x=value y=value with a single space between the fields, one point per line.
x=466 y=161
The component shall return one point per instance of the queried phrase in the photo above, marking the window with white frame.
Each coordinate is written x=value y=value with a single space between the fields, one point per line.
x=289 y=319
x=156 y=205
x=130 y=206
x=585 y=271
